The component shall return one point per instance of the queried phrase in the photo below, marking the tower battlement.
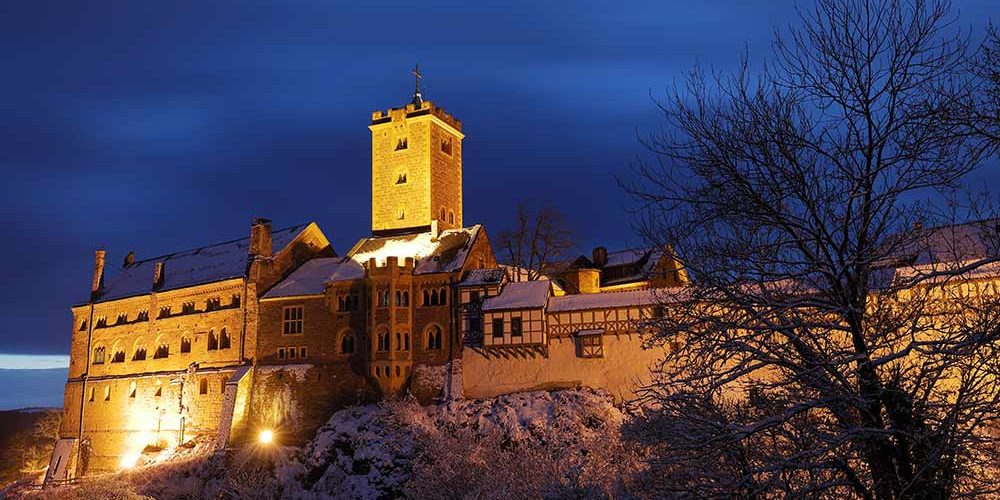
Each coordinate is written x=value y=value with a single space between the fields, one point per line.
x=391 y=265
x=413 y=110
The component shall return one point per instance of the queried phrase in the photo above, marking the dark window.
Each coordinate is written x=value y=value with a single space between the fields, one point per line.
x=119 y=357
x=515 y=327
x=140 y=354
x=451 y=217
x=401 y=143
x=443 y=297
x=213 y=341
x=434 y=338
x=383 y=342
x=235 y=301
x=446 y=146
x=281 y=353
x=224 y=342
x=434 y=297
x=399 y=298
x=474 y=296
x=187 y=308
x=159 y=391
x=102 y=322
x=476 y=325
x=131 y=390
x=401 y=179
x=347 y=344
x=83 y=325
x=165 y=312
x=302 y=352
x=203 y=386
x=406 y=298
x=143 y=316
x=590 y=346
x=406 y=341
x=162 y=351
x=185 y=345
x=292 y=353
x=99 y=356
x=498 y=327
x=399 y=341
x=292 y=322
x=122 y=319
x=213 y=304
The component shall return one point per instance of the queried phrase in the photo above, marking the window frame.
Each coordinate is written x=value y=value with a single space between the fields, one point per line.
x=290 y=324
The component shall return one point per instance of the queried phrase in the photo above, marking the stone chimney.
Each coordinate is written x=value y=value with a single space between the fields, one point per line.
x=599 y=256
x=158 y=275
x=129 y=259
x=98 y=282
x=260 y=237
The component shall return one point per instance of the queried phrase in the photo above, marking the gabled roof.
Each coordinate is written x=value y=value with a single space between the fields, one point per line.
x=186 y=268
x=311 y=278
x=522 y=295
x=585 y=301
x=957 y=242
x=446 y=253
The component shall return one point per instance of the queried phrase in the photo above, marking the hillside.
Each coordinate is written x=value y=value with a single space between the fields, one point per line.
x=563 y=443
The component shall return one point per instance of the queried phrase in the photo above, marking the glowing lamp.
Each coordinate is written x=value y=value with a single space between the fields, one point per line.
x=266 y=436
x=129 y=460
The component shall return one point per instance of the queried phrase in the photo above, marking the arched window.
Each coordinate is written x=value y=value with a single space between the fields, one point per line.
x=385 y=300
x=399 y=298
x=406 y=341
x=434 y=297
x=203 y=386
x=441 y=217
x=427 y=298
x=406 y=298
x=213 y=341
x=340 y=304
x=185 y=345
x=451 y=217
x=107 y=393
x=443 y=297
x=399 y=341
x=99 y=356
x=383 y=342
x=347 y=343
x=434 y=338
x=140 y=354
x=224 y=341
x=162 y=351
x=118 y=356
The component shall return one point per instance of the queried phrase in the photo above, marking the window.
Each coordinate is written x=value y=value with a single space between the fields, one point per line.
x=292 y=352
x=185 y=345
x=401 y=178
x=224 y=341
x=515 y=327
x=122 y=319
x=143 y=316
x=102 y=322
x=164 y=312
x=399 y=298
x=589 y=344
x=347 y=344
x=235 y=302
x=383 y=342
x=434 y=297
x=498 y=327
x=292 y=323
x=401 y=144
x=162 y=351
x=340 y=304
x=187 y=308
x=302 y=352
x=476 y=326
x=441 y=215
x=474 y=296
x=451 y=217
x=131 y=390
x=406 y=298
x=446 y=146
x=118 y=357
x=83 y=325
x=140 y=354
x=399 y=341
x=99 y=356
x=434 y=338
x=107 y=393
x=213 y=341
x=281 y=353
x=402 y=214
x=406 y=341
x=443 y=297
x=213 y=304
x=385 y=296
x=159 y=389
x=203 y=386
x=91 y=399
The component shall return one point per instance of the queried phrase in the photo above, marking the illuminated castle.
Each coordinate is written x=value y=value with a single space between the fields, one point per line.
x=273 y=332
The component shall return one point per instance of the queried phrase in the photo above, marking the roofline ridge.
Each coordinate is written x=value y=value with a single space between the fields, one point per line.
x=168 y=255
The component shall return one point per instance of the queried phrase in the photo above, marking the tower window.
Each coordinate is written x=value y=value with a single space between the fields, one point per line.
x=185 y=345
x=98 y=356
x=224 y=341
x=401 y=179
x=119 y=356
x=402 y=214
x=401 y=143
x=446 y=146
x=451 y=217
x=441 y=217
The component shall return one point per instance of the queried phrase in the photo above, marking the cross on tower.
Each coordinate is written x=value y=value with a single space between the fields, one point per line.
x=417 y=75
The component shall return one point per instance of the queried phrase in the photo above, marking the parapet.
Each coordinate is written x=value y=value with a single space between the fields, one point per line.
x=373 y=268
x=414 y=110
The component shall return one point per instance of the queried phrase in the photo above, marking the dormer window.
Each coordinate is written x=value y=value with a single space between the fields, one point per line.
x=401 y=143
x=401 y=179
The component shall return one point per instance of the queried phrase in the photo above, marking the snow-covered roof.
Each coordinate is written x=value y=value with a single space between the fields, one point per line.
x=481 y=277
x=520 y=295
x=446 y=253
x=198 y=266
x=584 y=301
x=310 y=278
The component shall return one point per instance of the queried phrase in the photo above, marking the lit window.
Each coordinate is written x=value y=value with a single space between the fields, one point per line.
x=99 y=356
x=292 y=322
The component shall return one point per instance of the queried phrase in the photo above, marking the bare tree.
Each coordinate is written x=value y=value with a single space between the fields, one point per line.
x=540 y=239
x=829 y=344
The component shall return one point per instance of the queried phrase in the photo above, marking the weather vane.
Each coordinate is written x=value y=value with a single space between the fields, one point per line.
x=417 y=75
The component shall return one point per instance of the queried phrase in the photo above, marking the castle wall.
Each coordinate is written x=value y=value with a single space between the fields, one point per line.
x=622 y=370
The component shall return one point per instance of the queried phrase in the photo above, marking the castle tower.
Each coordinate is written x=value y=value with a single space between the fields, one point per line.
x=416 y=168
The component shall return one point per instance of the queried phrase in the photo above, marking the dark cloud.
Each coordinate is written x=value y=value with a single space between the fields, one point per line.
x=157 y=126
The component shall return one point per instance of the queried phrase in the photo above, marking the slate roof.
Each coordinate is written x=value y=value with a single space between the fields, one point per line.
x=519 y=295
x=186 y=268
x=585 y=301
x=490 y=276
x=311 y=278
x=446 y=253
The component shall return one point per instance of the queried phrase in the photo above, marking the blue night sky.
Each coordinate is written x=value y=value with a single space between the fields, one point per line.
x=161 y=126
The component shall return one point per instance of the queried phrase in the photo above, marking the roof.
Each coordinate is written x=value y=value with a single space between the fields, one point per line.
x=446 y=253
x=490 y=276
x=311 y=278
x=958 y=242
x=643 y=259
x=186 y=268
x=585 y=301
x=519 y=295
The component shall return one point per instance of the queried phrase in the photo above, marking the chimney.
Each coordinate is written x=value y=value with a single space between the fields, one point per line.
x=434 y=230
x=129 y=259
x=599 y=256
x=158 y=275
x=98 y=282
x=260 y=237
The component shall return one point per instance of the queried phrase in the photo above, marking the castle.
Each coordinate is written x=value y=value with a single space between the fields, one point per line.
x=274 y=332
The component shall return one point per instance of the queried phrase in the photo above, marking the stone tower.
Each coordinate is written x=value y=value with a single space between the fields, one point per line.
x=416 y=169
